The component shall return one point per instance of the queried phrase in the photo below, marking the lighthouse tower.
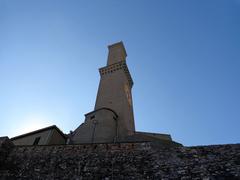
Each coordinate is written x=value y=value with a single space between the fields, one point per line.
x=112 y=119
x=115 y=89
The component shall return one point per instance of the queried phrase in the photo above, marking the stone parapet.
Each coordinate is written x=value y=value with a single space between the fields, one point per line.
x=123 y=161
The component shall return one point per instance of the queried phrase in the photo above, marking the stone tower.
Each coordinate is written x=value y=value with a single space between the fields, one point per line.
x=112 y=119
x=114 y=90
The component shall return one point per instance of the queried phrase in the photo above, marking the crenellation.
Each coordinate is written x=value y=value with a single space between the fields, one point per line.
x=116 y=67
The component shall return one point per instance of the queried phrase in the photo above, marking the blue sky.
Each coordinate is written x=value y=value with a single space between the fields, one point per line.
x=184 y=57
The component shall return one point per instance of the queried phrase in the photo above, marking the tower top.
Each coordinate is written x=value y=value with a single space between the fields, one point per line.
x=116 y=53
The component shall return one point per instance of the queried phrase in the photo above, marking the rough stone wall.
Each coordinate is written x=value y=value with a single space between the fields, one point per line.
x=122 y=161
x=5 y=148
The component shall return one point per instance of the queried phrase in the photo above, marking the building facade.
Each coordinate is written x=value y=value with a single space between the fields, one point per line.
x=46 y=136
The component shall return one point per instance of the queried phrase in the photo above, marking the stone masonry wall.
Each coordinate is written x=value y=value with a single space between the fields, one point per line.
x=121 y=161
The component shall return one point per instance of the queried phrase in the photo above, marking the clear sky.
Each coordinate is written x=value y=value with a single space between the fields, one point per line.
x=184 y=57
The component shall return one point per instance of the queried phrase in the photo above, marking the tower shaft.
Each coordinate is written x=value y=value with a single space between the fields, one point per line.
x=112 y=119
x=114 y=90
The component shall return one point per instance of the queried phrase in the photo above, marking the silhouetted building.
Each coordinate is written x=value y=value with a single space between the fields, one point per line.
x=46 y=136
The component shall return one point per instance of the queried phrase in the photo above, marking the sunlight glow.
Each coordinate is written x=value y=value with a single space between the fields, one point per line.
x=33 y=123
